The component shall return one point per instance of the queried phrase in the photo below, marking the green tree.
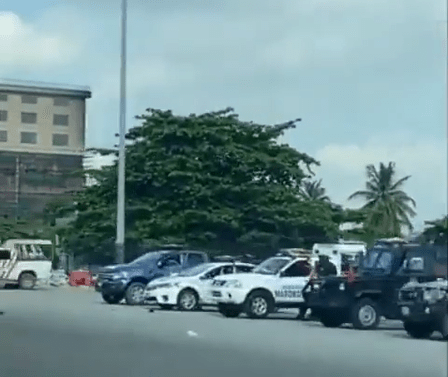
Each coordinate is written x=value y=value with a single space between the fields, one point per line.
x=387 y=206
x=206 y=180
x=313 y=190
x=436 y=231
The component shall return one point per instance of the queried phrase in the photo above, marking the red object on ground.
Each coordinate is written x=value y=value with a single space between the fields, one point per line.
x=78 y=278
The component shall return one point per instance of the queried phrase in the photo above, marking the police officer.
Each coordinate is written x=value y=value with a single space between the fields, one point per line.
x=325 y=267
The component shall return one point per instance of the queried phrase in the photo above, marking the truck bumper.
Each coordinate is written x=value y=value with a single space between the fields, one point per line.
x=422 y=313
x=114 y=288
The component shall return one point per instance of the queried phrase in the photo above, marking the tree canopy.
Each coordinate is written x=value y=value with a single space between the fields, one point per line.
x=313 y=190
x=388 y=208
x=436 y=231
x=208 y=180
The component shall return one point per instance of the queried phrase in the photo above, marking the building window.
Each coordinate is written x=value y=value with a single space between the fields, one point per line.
x=60 y=140
x=60 y=120
x=3 y=136
x=3 y=115
x=3 y=97
x=29 y=99
x=29 y=118
x=61 y=101
x=28 y=138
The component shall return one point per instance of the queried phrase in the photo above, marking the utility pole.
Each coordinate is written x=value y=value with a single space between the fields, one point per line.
x=17 y=182
x=119 y=241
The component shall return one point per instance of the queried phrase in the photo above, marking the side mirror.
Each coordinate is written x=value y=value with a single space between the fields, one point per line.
x=204 y=277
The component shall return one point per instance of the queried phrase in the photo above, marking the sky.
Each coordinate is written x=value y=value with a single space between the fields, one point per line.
x=368 y=78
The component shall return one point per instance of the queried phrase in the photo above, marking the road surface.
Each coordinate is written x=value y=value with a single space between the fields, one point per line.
x=69 y=332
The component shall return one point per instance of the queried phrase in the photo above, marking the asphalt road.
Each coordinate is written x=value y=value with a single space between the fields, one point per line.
x=70 y=332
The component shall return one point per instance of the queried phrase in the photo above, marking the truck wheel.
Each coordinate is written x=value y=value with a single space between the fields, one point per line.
x=259 y=304
x=365 y=315
x=27 y=281
x=229 y=311
x=418 y=330
x=135 y=294
x=187 y=300
x=111 y=299
x=330 y=321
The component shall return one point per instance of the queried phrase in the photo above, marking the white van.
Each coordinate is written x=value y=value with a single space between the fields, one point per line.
x=24 y=263
x=341 y=252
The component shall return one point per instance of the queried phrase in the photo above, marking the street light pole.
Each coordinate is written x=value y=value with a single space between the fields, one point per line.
x=119 y=241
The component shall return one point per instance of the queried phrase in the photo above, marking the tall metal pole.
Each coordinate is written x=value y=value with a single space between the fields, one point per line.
x=119 y=241
x=17 y=188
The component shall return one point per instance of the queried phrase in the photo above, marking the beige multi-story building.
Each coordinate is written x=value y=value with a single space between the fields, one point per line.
x=42 y=144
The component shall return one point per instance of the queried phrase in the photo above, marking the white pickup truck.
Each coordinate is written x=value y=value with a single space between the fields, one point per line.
x=275 y=283
x=24 y=263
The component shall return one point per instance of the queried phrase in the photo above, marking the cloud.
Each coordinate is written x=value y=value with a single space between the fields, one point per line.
x=352 y=70
x=343 y=170
x=23 y=45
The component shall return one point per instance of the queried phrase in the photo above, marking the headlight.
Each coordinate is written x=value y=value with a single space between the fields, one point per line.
x=120 y=275
x=233 y=284
x=433 y=295
x=165 y=285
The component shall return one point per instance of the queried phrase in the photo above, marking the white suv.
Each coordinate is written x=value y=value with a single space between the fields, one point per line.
x=276 y=283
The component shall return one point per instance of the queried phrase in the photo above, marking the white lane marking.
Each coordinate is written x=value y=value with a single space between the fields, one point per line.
x=191 y=333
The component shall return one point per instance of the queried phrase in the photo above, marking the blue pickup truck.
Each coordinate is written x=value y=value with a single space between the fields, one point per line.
x=128 y=281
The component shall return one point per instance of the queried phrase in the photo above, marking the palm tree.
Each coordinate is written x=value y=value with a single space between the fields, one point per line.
x=387 y=206
x=313 y=191
x=436 y=231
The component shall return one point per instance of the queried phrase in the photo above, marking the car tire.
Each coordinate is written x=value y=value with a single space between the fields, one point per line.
x=330 y=321
x=188 y=300
x=135 y=294
x=365 y=315
x=229 y=311
x=259 y=304
x=418 y=330
x=111 y=299
x=27 y=281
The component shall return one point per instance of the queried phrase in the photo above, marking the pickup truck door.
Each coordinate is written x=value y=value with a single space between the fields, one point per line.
x=170 y=264
x=290 y=283
x=5 y=262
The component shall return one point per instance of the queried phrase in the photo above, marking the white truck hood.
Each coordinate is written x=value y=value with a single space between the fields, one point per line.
x=248 y=278
x=168 y=280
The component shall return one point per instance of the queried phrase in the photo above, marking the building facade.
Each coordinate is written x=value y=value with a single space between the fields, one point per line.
x=42 y=144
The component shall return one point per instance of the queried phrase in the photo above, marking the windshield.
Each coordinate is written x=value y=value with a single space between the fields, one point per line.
x=378 y=259
x=144 y=258
x=271 y=266
x=193 y=271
